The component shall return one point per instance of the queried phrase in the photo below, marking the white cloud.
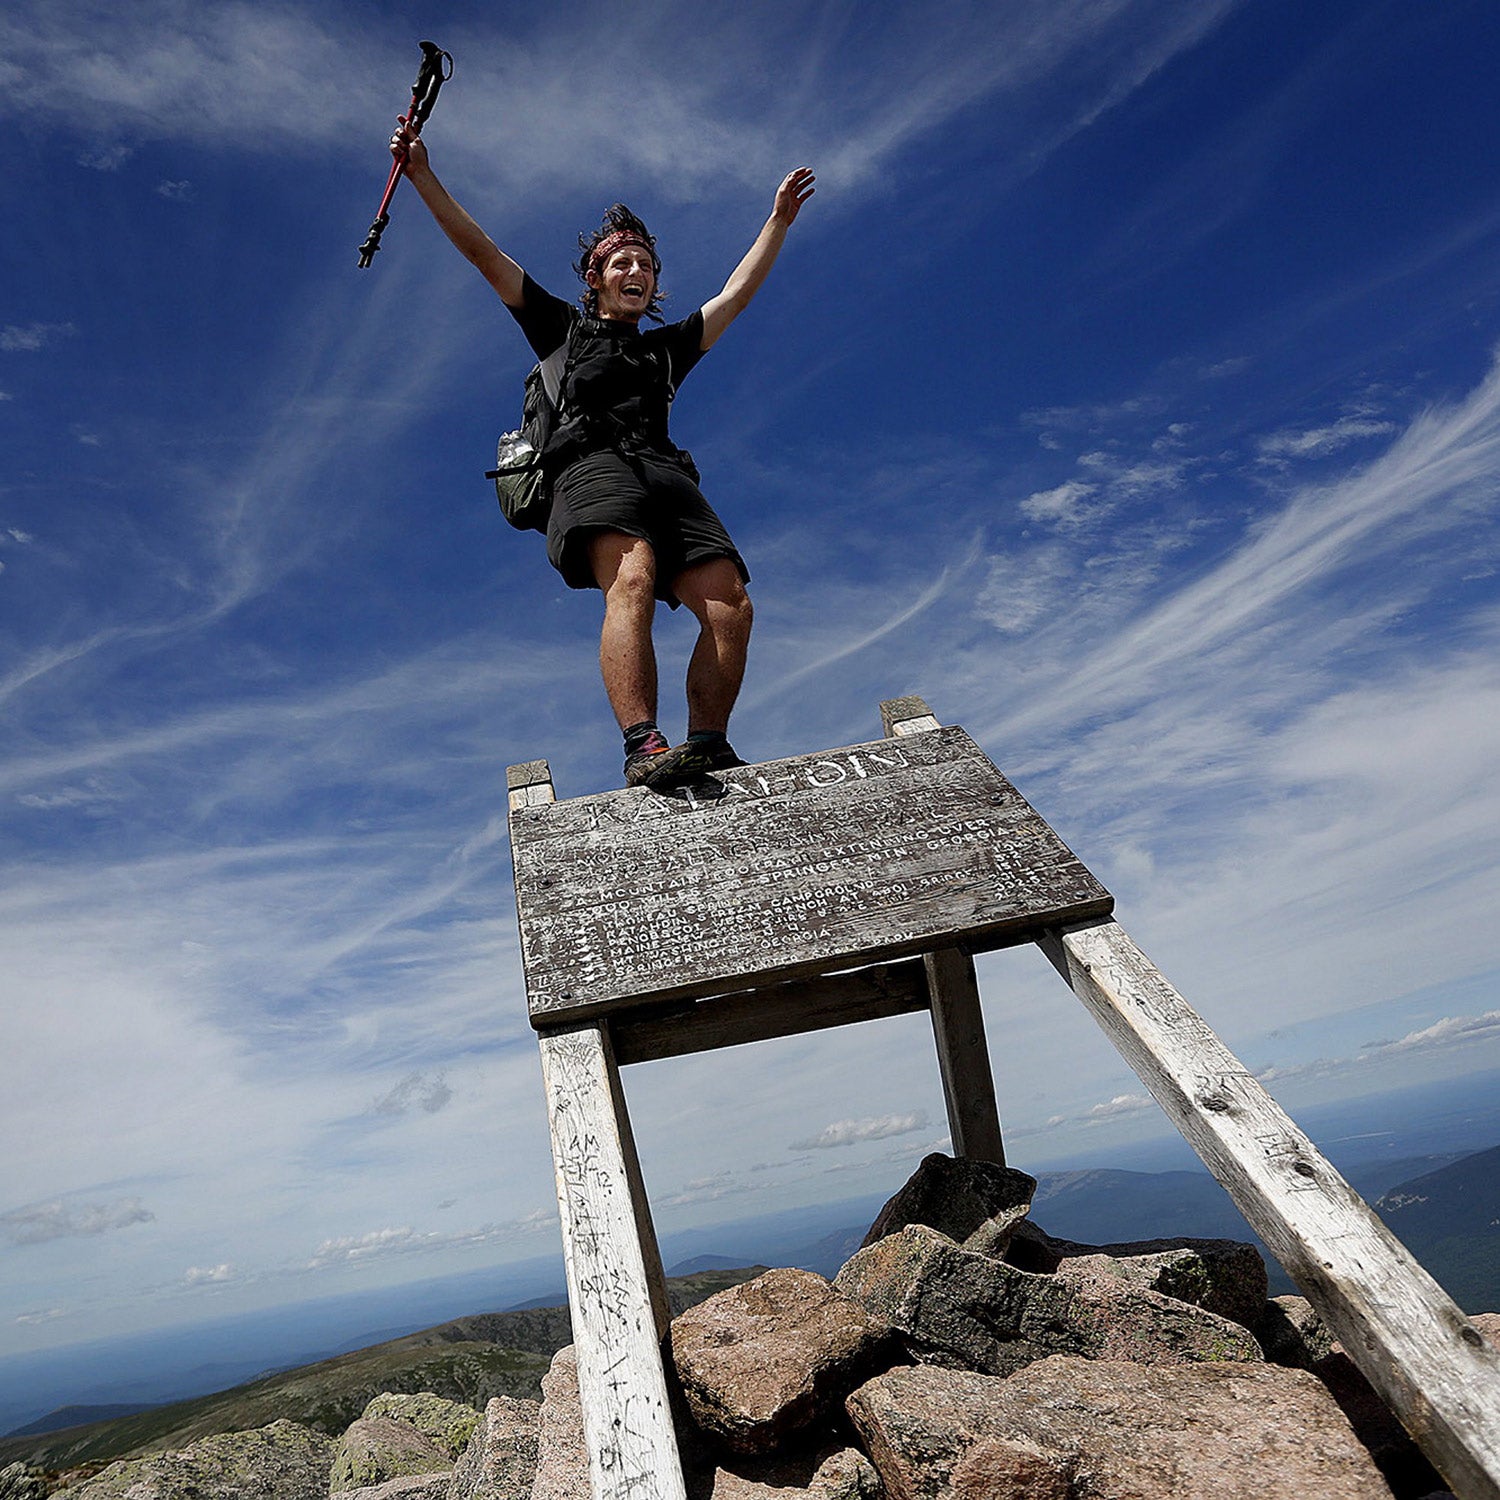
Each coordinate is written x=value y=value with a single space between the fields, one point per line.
x=1451 y=1031
x=210 y=1275
x=63 y=1219
x=174 y=191
x=396 y=1243
x=1121 y=1106
x=28 y=338
x=1021 y=589
x=1318 y=442
x=359 y=1247
x=855 y=1132
x=1132 y=480
x=1063 y=507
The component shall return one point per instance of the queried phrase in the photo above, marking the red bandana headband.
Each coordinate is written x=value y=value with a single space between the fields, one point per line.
x=614 y=241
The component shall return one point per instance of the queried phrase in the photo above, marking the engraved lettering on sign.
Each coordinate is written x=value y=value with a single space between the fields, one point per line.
x=858 y=853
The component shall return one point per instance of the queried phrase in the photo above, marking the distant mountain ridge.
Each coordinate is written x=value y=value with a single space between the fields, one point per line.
x=78 y=1416
x=466 y=1359
x=1449 y=1216
x=1450 y=1220
x=1149 y=1338
x=1462 y=1197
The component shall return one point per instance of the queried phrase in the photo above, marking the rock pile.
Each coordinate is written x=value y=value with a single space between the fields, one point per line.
x=961 y=1354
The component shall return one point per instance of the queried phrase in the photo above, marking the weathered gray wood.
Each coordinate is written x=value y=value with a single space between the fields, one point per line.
x=1413 y=1344
x=963 y=1056
x=529 y=785
x=819 y=862
x=903 y=716
x=615 y=1288
x=801 y=1005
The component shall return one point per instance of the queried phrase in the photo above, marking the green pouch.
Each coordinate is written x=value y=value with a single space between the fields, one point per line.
x=523 y=492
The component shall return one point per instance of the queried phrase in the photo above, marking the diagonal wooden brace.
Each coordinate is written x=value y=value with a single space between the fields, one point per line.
x=1429 y=1363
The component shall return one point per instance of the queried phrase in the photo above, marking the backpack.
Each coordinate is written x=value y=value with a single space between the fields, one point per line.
x=522 y=487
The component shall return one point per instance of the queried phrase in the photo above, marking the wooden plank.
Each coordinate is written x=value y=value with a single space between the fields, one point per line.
x=640 y=1204
x=529 y=785
x=900 y=717
x=609 y=1252
x=791 y=1009
x=963 y=1056
x=1417 y=1349
x=849 y=857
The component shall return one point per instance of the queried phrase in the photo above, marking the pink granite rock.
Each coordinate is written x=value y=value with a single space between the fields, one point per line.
x=1068 y=1428
x=562 y=1467
x=767 y=1358
x=826 y=1474
x=761 y=1360
x=501 y=1460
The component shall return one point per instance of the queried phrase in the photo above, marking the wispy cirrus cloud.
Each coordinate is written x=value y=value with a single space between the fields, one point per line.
x=29 y=338
x=1434 y=477
x=1318 y=442
x=259 y=78
x=1066 y=506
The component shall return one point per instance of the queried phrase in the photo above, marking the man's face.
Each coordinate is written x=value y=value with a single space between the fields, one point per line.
x=625 y=283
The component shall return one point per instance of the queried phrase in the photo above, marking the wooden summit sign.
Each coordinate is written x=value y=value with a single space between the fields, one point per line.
x=857 y=855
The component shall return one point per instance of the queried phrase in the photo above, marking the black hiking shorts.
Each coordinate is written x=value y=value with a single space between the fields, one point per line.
x=640 y=495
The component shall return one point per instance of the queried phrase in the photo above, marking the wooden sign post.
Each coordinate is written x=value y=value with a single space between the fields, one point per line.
x=854 y=884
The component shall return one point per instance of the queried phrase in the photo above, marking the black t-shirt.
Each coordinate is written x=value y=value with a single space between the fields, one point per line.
x=621 y=382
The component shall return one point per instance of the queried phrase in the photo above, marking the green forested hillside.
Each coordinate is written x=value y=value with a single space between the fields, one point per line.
x=1450 y=1220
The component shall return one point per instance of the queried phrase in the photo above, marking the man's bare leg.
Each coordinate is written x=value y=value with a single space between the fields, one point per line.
x=625 y=569
x=715 y=593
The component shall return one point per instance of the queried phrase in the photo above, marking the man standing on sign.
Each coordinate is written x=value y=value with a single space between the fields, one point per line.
x=628 y=517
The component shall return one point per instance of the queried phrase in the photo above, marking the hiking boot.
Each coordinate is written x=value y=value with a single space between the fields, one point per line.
x=688 y=761
x=641 y=762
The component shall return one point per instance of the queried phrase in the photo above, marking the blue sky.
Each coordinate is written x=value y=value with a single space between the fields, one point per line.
x=1128 y=389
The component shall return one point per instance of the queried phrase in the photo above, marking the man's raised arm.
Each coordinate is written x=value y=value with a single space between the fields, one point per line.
x=719 y=312
x=473 y=243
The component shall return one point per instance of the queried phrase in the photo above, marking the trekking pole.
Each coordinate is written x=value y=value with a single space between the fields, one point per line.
x=431 y=76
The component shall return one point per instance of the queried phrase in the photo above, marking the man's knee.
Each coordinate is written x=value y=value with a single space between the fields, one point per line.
x=715 y=592
x=624 y=566
x=742 y=611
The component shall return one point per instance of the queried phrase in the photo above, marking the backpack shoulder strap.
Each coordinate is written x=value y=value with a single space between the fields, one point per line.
x=554 y=368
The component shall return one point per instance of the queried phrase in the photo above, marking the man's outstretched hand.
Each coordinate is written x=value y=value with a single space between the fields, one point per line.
x=796 y=188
